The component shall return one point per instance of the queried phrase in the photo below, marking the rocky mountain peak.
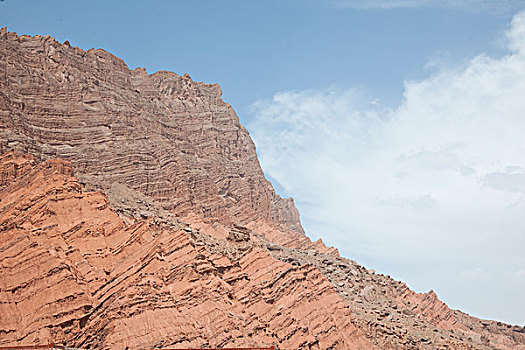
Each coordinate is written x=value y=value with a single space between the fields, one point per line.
x=164 y=135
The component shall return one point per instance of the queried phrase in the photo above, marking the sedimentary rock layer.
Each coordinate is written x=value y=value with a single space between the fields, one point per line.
x=164 y=135
x=71 y=271
x=191 y=246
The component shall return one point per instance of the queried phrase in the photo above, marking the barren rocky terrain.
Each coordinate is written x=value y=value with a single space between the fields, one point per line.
x=134 y=214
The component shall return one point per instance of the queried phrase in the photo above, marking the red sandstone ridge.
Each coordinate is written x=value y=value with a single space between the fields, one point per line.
x=73 y=272
x=172 y=236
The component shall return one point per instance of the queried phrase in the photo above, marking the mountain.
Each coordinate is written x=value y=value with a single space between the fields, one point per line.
x=134 y=214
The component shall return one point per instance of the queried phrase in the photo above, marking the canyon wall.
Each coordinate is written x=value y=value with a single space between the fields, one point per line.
x=164 y=135
x=134 y=214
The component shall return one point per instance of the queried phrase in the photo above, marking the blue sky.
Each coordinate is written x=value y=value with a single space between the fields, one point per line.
x=396 y=125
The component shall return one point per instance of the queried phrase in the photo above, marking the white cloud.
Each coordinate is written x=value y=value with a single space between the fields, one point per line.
x=438 y=181
x=470 y=5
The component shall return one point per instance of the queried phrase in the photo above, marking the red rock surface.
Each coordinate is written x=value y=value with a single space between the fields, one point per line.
x=170 y=138
x=73 y=272
x=191 y=246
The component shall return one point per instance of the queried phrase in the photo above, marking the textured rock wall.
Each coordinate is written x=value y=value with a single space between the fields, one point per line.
x=170 y=138
x=71 y=271
x=171 y=269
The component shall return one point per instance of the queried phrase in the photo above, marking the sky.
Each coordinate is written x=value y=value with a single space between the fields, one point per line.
x=397 y=126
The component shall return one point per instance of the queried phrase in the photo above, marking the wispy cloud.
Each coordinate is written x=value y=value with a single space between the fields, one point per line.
x=470 y=5
x=438 y=181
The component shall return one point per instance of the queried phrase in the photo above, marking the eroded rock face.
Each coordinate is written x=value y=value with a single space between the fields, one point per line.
x=73 y=272
x=191 y=246
x=394 y=317
x=170 y=138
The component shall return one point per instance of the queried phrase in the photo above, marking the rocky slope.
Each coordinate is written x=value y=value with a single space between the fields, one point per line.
x=189 y=245
x=74 y=272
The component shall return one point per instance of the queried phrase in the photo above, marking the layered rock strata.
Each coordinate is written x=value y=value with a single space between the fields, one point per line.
x=170 y=138
x=191 y=246
x=394 y=317
x=73 y=272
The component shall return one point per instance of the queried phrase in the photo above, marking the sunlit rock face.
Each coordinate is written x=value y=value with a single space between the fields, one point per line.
x=134 y=214
x=170 y=138
x=73 y=272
